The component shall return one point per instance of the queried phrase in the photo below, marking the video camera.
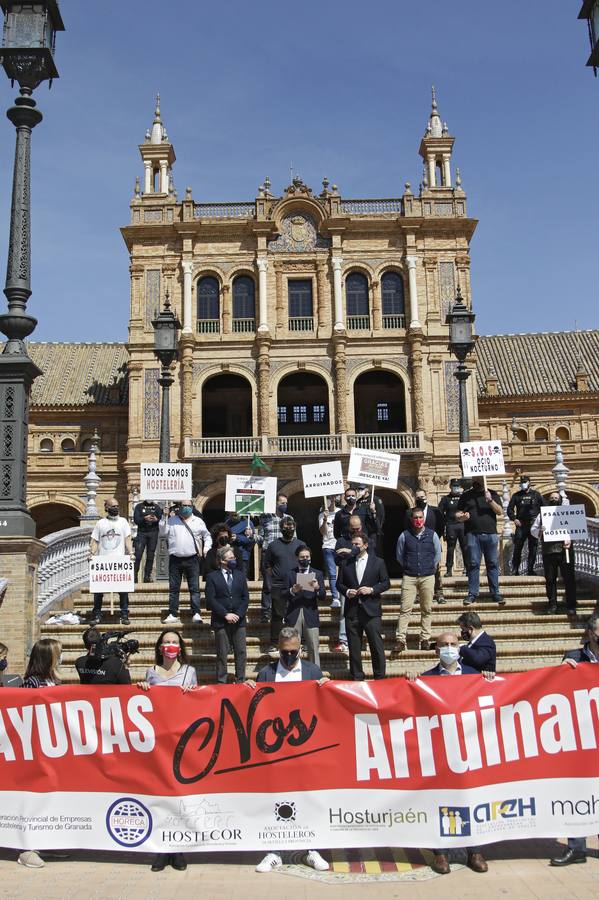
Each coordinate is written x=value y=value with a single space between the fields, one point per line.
x=112 y=643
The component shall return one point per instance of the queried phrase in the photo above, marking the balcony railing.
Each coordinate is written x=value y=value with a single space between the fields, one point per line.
x=208 y=326
x=224 y=210
x=301 y=445
x=358 y=323
x=305 y=323
x=587 y=553
x=244 y=326
x=63 y=566
x=380 y=207
x=394 y=321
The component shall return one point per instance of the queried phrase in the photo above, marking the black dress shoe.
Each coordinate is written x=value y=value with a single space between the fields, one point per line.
x=551 y=609
x=568 y=857
x=160 y=862
x=178 y=862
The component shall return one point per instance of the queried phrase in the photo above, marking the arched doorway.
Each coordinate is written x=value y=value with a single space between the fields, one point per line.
x=51 y=517
x=575 y=498
x=303 y=404
x=226 y=406
x=395 y=512
x=214 y=510
x=379 y=402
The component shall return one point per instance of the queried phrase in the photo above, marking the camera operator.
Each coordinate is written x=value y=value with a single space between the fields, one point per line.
x=104 y=662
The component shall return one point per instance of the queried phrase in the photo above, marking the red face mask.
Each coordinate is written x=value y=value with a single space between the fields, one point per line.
x=170 y=651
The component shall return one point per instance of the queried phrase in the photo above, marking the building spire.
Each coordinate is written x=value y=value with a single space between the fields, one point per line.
x=435 y=126
x=157 y=133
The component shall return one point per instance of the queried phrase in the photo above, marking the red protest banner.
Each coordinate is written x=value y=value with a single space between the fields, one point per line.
x=298 y=765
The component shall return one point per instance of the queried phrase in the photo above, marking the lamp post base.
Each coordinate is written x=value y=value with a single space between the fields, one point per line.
x=16 y=523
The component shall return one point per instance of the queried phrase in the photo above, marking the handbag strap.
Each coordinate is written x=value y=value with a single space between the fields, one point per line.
x=193 y=537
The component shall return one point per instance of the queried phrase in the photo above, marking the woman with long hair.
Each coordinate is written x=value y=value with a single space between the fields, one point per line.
x=171 y=669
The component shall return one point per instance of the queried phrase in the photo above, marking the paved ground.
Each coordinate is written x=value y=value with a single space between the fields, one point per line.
x=518 y=871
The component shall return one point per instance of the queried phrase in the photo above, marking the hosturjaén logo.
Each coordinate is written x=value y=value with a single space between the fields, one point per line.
x=128 y=822
x=454 y=821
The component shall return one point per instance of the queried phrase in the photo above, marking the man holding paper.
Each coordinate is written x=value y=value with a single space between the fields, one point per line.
x=558 y=556
x=305 y=589
x=111 y=536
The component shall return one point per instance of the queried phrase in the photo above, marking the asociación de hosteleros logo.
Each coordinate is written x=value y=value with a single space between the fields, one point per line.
x=128 y=822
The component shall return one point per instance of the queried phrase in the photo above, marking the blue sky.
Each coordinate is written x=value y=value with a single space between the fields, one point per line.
x=339 y=88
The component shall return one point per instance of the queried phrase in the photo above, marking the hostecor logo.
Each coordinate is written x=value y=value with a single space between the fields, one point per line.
x=128 y=822
x=454 y=821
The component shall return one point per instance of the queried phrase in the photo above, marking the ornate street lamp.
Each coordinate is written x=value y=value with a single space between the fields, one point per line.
x=166 y=348
x=461 y=342
x=27 y=57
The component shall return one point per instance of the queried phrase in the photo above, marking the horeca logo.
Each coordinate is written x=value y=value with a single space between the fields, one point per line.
x=454 y=821
x=128 y=822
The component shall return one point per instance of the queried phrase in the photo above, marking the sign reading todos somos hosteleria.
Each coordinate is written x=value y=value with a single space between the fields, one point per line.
x=482 y=458
x=165 y=481
x=441 y=762
x=562 y=522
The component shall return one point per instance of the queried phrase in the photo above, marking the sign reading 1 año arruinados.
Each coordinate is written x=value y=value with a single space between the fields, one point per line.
x=165 y=481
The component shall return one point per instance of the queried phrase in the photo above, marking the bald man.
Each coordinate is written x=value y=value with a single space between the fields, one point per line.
x=111 y=535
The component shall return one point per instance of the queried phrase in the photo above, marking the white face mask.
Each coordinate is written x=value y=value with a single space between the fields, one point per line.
x=449 y=655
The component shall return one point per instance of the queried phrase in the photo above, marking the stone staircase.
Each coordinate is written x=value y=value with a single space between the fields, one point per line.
x=526 y=637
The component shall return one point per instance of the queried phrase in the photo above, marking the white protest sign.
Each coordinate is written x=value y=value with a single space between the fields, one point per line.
x=250 y=495
x=482 y=458
x=373 y=467
x=323 y=479
x=561 y=522
x=111 y=573
x=165 y=481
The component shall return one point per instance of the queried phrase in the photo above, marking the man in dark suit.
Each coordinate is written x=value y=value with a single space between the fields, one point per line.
x=227 y=597
x=448 y=651
x=361 y=581
x=479 y=651
x=302 y=602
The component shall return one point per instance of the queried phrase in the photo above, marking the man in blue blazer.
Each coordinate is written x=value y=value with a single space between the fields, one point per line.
x=227 y=598
x=361 y=581
x=479 y=651
x=302 y=603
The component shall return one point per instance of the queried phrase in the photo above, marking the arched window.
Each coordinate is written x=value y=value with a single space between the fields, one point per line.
x=356 y=301
x=562 y=434
x=68 y=445
x=208 y=305
x=521 y=435
x=438 y=173
x=393 y=300
x=244 y=304
x=86 y=445
x=541 y=434
x=47 y=445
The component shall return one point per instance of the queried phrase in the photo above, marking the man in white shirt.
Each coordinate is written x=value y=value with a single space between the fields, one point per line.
x=188 y=542
x=111 y=536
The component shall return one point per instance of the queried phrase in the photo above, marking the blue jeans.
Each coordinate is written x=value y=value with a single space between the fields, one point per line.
x=177 y=565
x=331 y=569
x=480 y=545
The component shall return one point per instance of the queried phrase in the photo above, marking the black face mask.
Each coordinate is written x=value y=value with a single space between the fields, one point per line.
x=3 y=664
x=287 y=533
x=289 y=657
x=421 y=502
x=223 y=541
x=557 y=502
x=112 y=510
x=350 y=501
x=282 y=507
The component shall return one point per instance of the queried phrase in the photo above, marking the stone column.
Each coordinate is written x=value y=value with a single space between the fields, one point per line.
x=263 y=385
x=417 y=394
x=321 y=295
x=337 y=263
x=279 y=299
x=432 y=299
x=377 y=306
x=186 y=374
x=446 y=171
x=432 y=173
x=262 y=264
x=19 y=558
x=163 y=177
x=227 y=309
x=413 y=292
x=148 y=186
x=340 y=368
x=187 y=267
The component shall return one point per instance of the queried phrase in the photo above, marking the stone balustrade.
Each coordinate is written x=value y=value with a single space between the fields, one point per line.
x=63 y=566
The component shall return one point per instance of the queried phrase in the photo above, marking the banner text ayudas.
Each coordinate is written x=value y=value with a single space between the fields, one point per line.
x=441 y=762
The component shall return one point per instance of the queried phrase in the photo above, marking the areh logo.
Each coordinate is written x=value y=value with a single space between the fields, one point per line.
x=454 y=821
x=285 y=811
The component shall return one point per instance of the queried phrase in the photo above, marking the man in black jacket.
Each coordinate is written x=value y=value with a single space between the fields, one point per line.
x=362 y=581
x=454 y=530
x=576 y=851
x=479 y=651
x=302 y=602
x=523 y=508
x=352 y=508
x=279 y=560
x=558 y=556
x=98 y=666
x=227 y=598
x=146 y=516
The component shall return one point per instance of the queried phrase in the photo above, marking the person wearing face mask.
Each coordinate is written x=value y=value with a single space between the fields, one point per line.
x=353 y=508
x=221 y=537
x=171 y=669
x=374 y=515
x=243 y=538
x=188 y=543
x=227 y=598
x=7 y=680
x=288 y=668
x=558 y=556
x=326 y=517
x=433 y=519
x=362 y=581
x=454 y=530
x=418 y=552
x=302 y=602
x=111 y=535
x=279 y=560
x=479 y=652
x=576 y=851
x=146 y=516
x=345 y=552
x=269 y=529
x=447 y=649
x=523 y=508
x=478 y=508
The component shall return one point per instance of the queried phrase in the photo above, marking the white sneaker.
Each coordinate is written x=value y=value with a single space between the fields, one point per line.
x=31 y=859
x=170 y=619
x=336 y=603
x=315 y=861
x=197 y=618
x=271 y=861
